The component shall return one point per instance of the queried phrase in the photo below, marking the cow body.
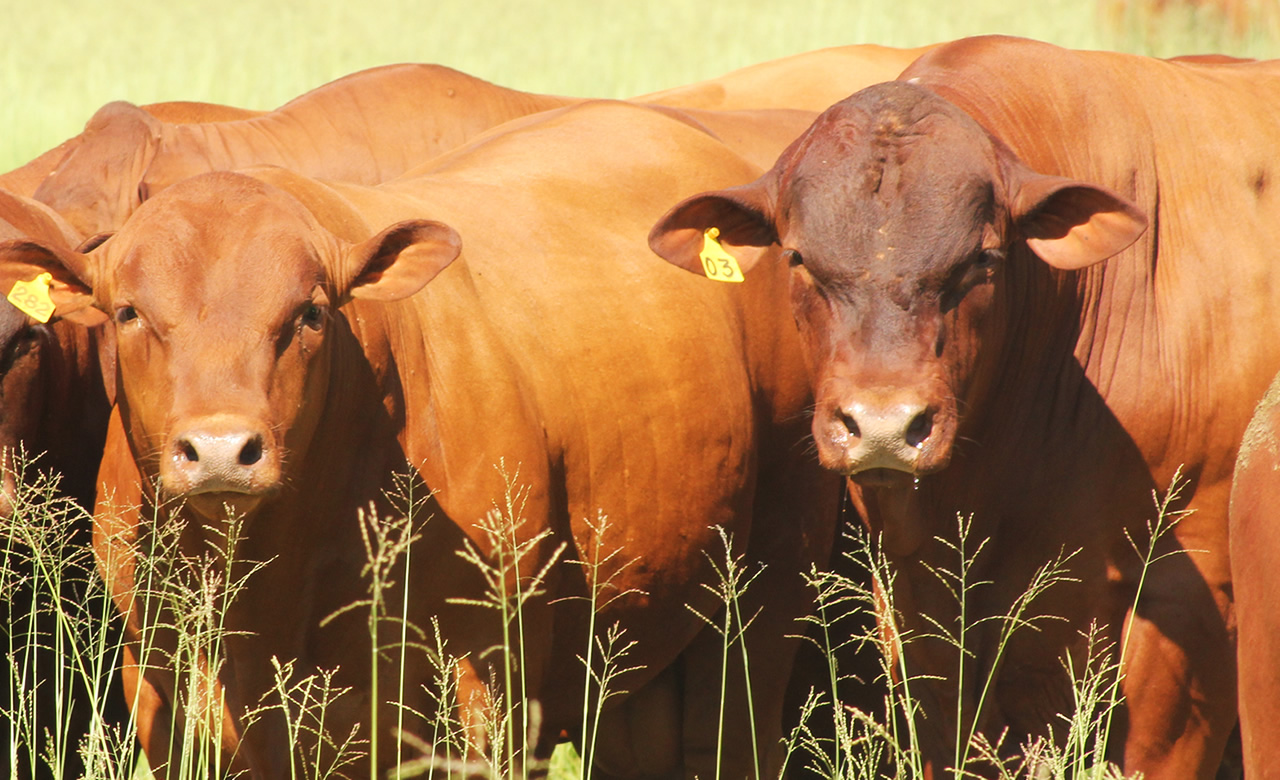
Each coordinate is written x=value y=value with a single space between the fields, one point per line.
x=811 y=80
x=554 y=358
x=26 y=179
x=1255 y=504
x=974 y=355
x=367 y=127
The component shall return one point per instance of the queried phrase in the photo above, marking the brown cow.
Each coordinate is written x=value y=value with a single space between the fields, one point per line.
x=52 y=405
x=1255 y=507
x=281 y=350
x=367 y=127
x=52 y=390
x=374 y=125
x=811 y=81
x=973 y=353
x=26 y=179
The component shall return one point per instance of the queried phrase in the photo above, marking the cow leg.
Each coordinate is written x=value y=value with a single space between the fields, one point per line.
x=783 y=545
x=640 y=737
x=1180 y=673
x=152 y=714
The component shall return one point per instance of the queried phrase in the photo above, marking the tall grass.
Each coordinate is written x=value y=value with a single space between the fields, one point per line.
x=64 y=60
x=183 y=584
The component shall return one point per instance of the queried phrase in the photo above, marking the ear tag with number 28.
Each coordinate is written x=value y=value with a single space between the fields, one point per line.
x=32 y=298
x=716 y=263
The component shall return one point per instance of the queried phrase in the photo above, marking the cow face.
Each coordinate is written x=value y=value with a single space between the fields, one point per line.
x=898 y=215
x=223 y=292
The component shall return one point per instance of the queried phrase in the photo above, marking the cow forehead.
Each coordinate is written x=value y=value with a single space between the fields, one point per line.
x=240 y=245
x=894 y=194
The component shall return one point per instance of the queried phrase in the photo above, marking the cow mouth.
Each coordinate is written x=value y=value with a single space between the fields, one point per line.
x=880 y=478
x=222 y=504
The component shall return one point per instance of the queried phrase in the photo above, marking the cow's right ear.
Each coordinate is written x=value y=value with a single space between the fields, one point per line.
x=743 y=215
x=70 y=278
x=397 y=262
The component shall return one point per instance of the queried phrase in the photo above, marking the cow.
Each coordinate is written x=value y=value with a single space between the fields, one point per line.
x=1254 y=508
x=53 y=408
x=26 y=179
x=366 y=127
x=1034 y=285
x=54 y=400
x=498 y=324
x=810 y=81
x=377 y=124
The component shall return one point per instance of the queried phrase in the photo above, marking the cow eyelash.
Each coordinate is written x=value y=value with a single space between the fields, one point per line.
x=988 y=258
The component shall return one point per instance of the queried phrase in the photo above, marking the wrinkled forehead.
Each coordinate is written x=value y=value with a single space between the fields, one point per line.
x=914 y=177
x=255 y=247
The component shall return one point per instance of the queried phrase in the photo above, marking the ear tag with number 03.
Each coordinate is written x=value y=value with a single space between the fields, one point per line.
x=32 y=298
x=716 y=263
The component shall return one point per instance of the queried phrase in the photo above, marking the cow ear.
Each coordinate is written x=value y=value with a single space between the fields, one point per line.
x=93 y=242
x=399 y=261
x=70 y=278
x=743 y=215
x=1073 y=225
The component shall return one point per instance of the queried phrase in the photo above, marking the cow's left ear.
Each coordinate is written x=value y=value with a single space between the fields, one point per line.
x=68 y=279
x=399 y=261
x=743 y=215
x=1072 y=225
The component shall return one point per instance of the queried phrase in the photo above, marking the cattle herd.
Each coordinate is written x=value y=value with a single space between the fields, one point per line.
x=992 y=278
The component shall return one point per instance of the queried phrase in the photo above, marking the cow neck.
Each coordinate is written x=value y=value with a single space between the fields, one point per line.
x=454 y=393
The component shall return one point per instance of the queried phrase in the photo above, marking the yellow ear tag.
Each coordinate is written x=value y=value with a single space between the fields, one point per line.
x=716 y=263
x=32 y=298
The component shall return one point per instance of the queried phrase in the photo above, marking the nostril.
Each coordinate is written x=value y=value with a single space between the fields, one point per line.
x=251 y=453
x=188 y=451
x=919 y=429
x=851 y=424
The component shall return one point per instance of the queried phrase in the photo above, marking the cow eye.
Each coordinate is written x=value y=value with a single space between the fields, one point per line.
x=313 y=316
x=988 y=258
x=793 y=257
x=126 y=314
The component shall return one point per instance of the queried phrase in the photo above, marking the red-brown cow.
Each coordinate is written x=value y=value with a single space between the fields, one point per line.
x=282 y=351
x=52 y=405
x=367 y=127
x=972 y=352
x=811 y=80
x=375 y=125
x=53 y=400
x=26 y=179
x=1255 y=523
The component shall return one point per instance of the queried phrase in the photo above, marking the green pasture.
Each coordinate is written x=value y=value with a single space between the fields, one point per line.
x=63 y=59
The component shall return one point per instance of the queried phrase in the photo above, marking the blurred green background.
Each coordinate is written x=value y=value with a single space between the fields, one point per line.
x=65 y=58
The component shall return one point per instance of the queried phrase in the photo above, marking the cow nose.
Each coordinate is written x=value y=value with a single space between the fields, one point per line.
x=220 y=456
x=243 y=449
x=884 y=436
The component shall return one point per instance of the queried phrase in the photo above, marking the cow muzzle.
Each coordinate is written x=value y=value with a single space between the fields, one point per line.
x=220 y=456
x=900 y=433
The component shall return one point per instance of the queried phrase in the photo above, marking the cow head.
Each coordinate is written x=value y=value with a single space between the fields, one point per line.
x=224 y=291
x=899 y=216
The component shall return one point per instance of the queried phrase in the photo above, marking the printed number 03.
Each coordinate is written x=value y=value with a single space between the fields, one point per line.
x=709 y=265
